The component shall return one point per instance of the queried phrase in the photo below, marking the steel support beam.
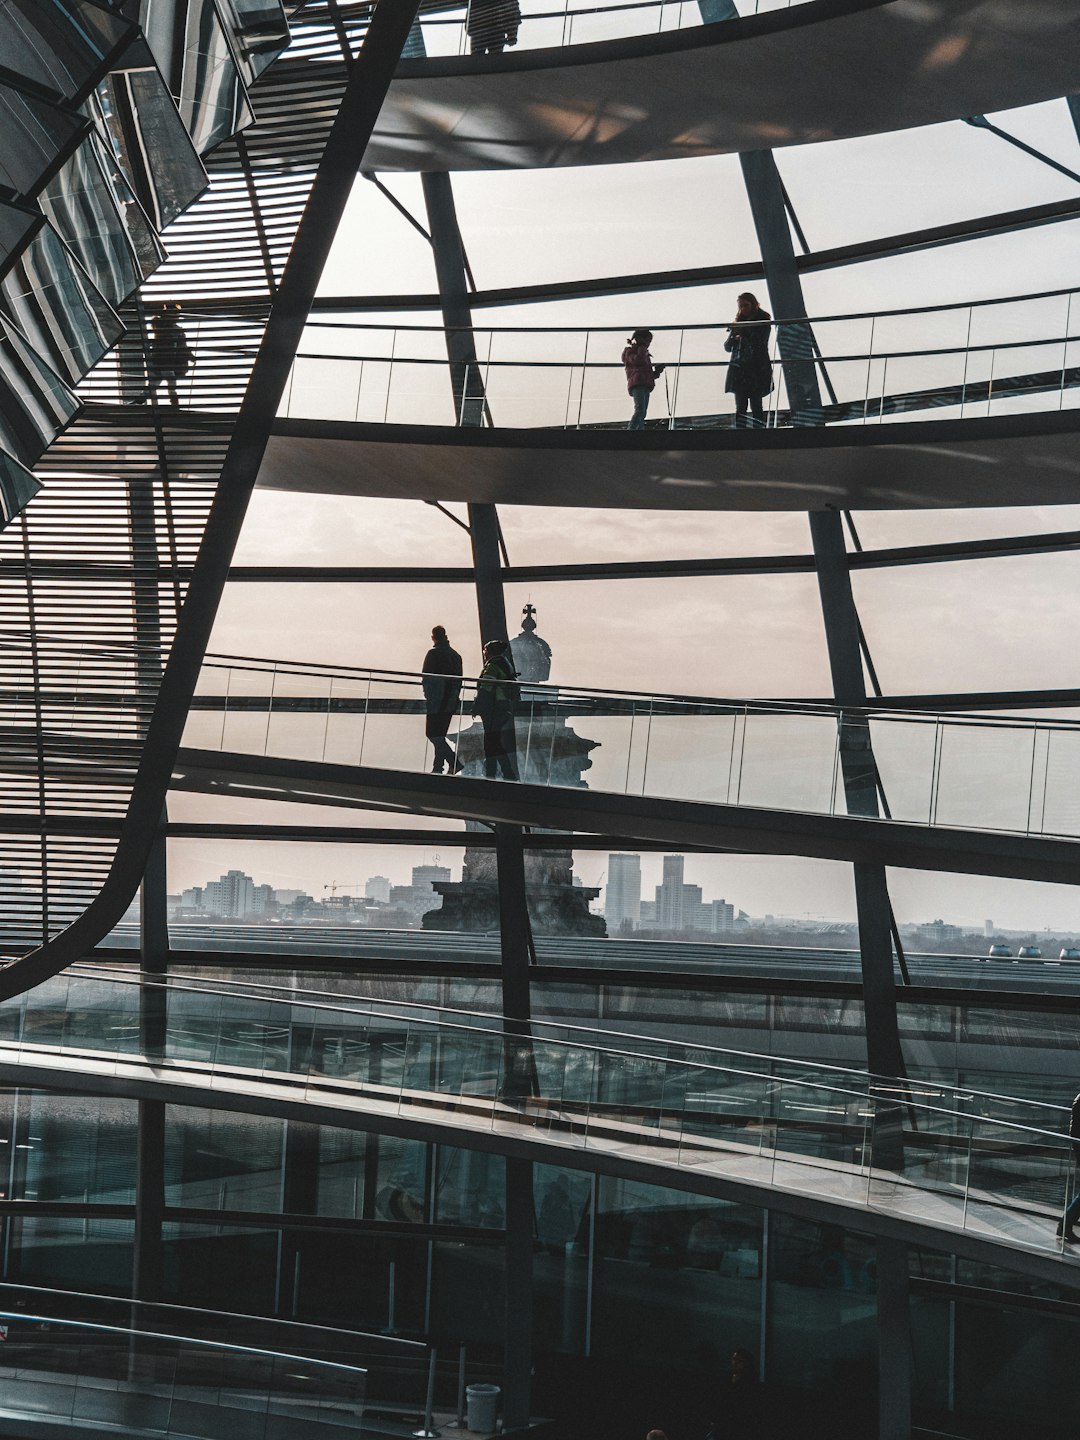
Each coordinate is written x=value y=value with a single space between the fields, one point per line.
x=469 y=407
x=148 y=1270
x=469 y=400
x=765 y=192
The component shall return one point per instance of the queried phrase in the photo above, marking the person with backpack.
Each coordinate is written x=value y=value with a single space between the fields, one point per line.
x=170 y=356
x=496 y=695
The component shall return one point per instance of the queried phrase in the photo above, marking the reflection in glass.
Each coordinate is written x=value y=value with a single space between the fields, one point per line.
x=190 y=45
x=150 y=142
x=63 y=46
x=58 y=308
x=35 y=135
x=95 y=210
x=35 y=404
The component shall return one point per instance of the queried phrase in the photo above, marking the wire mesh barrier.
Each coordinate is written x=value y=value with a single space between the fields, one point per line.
x=1002 y=357
x=971 y=772
x=956 y=1160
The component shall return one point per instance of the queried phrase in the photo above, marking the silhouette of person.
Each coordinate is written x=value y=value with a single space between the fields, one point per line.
x=555 y=1223
x=494 y=703
x=170 y=355
x=749 y=376
x=442 y=686
x=641 y=375
x=739 y=1402
x=1072 y=1210
x=492 y=25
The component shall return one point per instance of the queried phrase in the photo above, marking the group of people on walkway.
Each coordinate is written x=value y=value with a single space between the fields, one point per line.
x=494 y=702
x=749 y=373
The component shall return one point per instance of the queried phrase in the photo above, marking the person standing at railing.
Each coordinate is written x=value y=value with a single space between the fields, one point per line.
x=749 y=376
x=1072 y=1210
x=496 y=695
x=170 y=356
x=492 y=25
x=442 y=687
x=641 y=375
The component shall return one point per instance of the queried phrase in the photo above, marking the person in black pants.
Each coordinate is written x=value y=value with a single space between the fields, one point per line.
x=442 y=686
x=496 y=695
x=749 y=376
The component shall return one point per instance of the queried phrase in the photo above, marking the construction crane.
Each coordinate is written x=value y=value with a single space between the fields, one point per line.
x=336 y=885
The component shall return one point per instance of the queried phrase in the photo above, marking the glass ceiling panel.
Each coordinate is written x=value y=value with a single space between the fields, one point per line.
x=151 y=143
x=34 y=403
x=17 y=487
x=94 y=210
x=189 y=43
x=59 y=308
x=61 y=44
x=35 y=134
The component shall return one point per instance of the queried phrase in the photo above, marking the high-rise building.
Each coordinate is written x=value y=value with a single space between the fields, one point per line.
x=622 y=896
x=377 y=887
x=231 y=897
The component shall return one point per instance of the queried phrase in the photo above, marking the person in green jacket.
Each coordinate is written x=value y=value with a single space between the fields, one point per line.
x=496 y=695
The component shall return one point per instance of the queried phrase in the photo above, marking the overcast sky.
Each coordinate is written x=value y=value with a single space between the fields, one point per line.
x=967 y=625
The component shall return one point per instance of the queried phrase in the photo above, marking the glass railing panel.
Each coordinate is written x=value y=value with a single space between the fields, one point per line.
x=393 y=733
x=346 y=719
x=984 y=776
x=905 y=753
x=1055 y=806
x=297 y=715
x=786 y=762
x=1018 y=1183
x=693 y=751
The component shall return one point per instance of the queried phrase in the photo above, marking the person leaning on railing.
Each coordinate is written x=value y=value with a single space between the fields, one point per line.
x=1072 y=1210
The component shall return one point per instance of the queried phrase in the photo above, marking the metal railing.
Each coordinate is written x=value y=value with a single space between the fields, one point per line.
x=445 y=27
x=990 y=357
x=945 y=1158
x=153 y=1382
x=968 y=771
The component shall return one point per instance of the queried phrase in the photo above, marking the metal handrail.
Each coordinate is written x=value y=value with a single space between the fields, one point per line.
x=713 y=325
x=555 y=694
x=354 y=1005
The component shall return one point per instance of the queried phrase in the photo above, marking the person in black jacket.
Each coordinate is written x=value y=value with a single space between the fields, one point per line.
x=442 y=686
x=170 y=356
x=492 y=25
x=496 y=696
x=1072 y=1210
x=749 y=376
